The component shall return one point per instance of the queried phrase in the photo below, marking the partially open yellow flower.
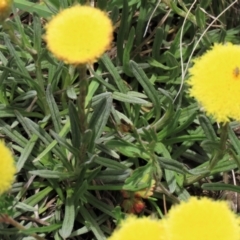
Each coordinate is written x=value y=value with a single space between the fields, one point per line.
x=79 y=35
x=215 y=82
x=134 y=228
x=5 y=7
x=202 y=219
x=7 y=168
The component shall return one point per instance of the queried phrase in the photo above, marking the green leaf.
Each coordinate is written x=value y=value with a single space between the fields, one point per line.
x=65 y=144
x=92 y=223
x=128 y=98
x=69 y=216
x=109 y=163
x=128 y=149
x=140 y=178
x=157 y=42
x=54 y=111
x=207 y=128
x=234 y=140
x=200 y=17
x=173 y=165
x=50 y=174
x=141 y=21
x=157 y=64
x=46 y=138
x=26 y=152
x=45 y=229
x=100 y=116
x=75 y=125
x=147 y=86
x=127 y=51
x=37 y=30
x=122 y=30
x=220 y=187
x=28 y=6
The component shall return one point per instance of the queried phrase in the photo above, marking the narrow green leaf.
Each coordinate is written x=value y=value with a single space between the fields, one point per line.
x=122 y=30
x=127 y=51
x=65 y=144
x=54 y=111
x=92 y=224
x=100 y=116
x=141 y=21
x=105 y=208
x=45 y=229
x=147 y=86
x=35 y=199
x=37 y=33
x=234 y=140
x=69 y=215
x=200 y=17
x=13 y=53
x=109 y=163
x=13 y=134
x=46 y=138
x=173 y=165
x=26 y=152
x=50 y=174
x=114 y=72
x=158 y=39
x=157 y=64
x=28 y=6
x=207 y=128
x=220 y=187
x=75 y=125
x=128 y=98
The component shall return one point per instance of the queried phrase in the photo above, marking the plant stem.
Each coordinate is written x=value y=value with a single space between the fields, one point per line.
x=222 y=146
x=5 y=218
x=83 y=88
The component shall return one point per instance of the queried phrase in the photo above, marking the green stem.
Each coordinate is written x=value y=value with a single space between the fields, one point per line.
x=83 y=89
x=222 y=146
x=194 y=179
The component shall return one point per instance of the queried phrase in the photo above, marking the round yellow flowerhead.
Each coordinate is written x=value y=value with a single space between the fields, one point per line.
x=215 y=82
x=202 y=219
x=79 y=35
x=134 y=228
x=5 y=8
x=7 y=169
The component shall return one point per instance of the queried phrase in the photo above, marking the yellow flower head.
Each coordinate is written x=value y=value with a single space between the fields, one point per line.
x=134 y=228
x=7 y=169
x=5 y=8
x=79 y=35
x=215 y=82
x=202 y=219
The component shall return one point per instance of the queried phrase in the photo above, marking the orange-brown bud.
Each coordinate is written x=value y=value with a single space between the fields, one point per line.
x=5 y=8
x=135 y=205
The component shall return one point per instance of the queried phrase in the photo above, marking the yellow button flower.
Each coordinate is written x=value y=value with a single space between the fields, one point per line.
x=79 y=35
x=202 y=219
x=7 y=168
x=215 y=82
x=134 y=228
x=5 y=8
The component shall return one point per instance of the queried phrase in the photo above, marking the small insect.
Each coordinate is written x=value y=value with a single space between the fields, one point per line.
x=236 y=72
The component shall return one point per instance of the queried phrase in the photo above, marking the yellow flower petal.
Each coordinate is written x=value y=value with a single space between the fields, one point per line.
x=79 y=34
x=7 y=169
x=215 y=82
x=5 y=8
x=134 y=228
x=202 y=219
